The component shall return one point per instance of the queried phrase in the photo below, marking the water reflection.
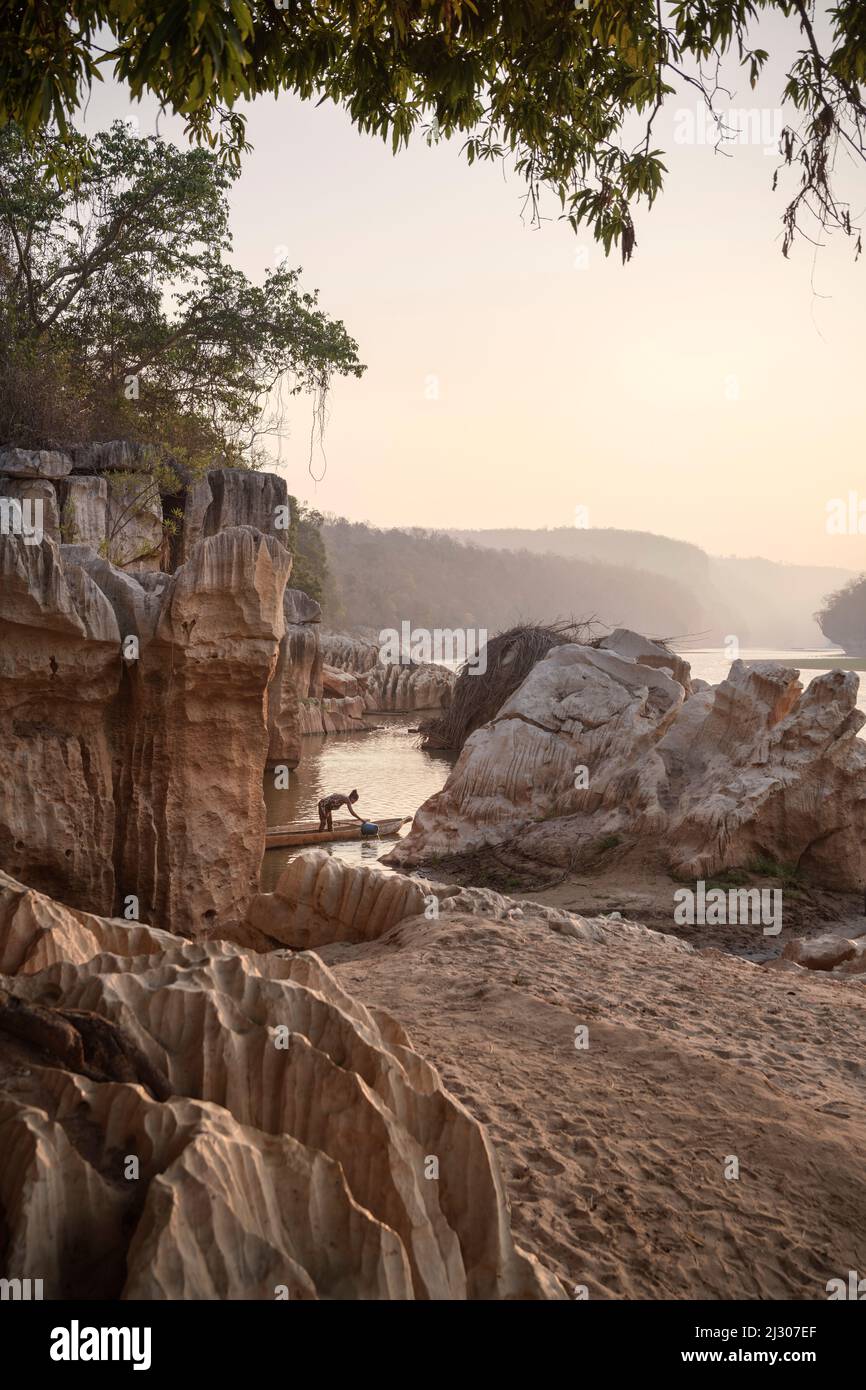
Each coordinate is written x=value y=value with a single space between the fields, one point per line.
x=393 y=776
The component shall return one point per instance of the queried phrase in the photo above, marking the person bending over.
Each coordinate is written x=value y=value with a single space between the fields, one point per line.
x=329 y=804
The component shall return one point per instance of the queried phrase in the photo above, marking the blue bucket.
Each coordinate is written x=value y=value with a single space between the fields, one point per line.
x=369 y=827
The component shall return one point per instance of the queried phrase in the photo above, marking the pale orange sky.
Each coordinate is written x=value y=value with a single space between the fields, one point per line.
x=709 y=391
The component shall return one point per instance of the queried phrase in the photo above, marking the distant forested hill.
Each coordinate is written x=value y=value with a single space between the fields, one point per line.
x=379 y=578
x=763 y=603
x=679 y=560
x=664 y=587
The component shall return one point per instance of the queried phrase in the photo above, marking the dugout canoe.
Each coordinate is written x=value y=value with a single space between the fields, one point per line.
x=308 y=832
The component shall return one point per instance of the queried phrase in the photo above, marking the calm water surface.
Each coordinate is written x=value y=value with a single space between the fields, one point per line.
x=393 y=776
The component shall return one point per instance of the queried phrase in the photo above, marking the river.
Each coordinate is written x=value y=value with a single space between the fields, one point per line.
x=394 y=776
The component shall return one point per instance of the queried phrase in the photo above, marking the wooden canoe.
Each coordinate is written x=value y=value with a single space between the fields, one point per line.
x=308 y=832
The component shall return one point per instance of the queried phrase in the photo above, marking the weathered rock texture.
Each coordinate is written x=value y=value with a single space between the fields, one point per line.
x=301 y=1148
x=138 y=773
x=39 y=493
x=84 y=511
x=339 y=684
x=60 y=671
x=339 y=715
x=296 y=677
x=227 y=497
x=327 y=682
x=594 y=744
x=345 y=652
x=113 y=456
x=134 y=521
x=386 y=686
x=319 y=900
x=418 y=687
x=34 y=463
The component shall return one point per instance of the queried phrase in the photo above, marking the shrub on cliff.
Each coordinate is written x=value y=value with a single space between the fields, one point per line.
x=121 y=316
x=309 y=561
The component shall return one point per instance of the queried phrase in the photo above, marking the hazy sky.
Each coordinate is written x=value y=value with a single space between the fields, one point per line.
x=710 y=390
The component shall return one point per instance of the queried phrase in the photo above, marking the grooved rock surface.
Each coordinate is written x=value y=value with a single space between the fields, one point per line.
x=227 y=497
x=139 y=777
x=84 y=510
x=60 y=669
x=295 y=1153
x=420 y=686
x=191 y=787
x=320 y=899
x=347 y=653
x=339 y=684
x=296 y=678
x=595 y=745
x=342 y=715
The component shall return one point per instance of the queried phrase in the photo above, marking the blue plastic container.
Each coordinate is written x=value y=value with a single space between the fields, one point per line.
x=369 y=827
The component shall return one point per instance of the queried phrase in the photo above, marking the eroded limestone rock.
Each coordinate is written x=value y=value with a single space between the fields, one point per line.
x=134 y=523
x=113 y=456
x=320 y=899
x=84 y=511
x=40 y=501
x=227 y=497
x=594 y=744
x=296 y=678
x=138 y=776
x=60 y=671
x=305 y=1150
x=34 y=463
x=421 y=686
x=345 y=652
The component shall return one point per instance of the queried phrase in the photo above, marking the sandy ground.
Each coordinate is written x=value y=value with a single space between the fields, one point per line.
x=614 y=1156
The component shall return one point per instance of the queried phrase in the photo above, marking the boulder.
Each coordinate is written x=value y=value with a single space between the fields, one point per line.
x=332 y=715
x=579 y=707
x=595 y=744
x=648 y=653
x=820 y=952
x=339 y=684
x=320 y=899
x=34 y=463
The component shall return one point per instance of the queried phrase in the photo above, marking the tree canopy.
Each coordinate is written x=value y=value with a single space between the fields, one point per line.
x=552 y=84
x=842 y=617
x=121 y=315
